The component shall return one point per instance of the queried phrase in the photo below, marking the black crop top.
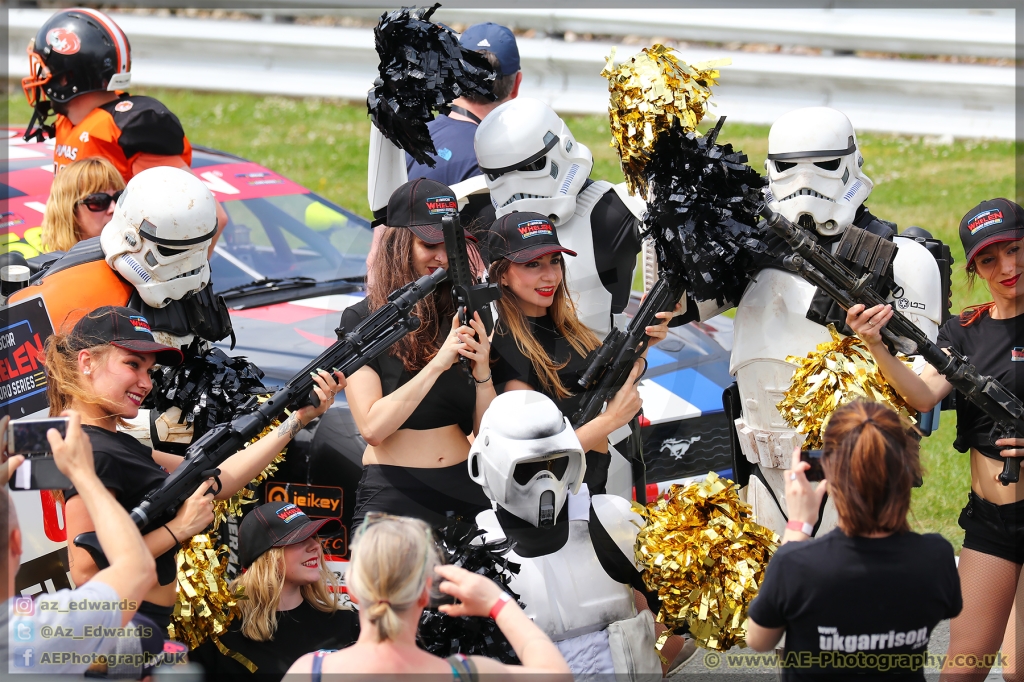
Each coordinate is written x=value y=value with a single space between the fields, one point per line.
x=127 y=468
x=451 y=400
x=509 y=363
x=996 y=349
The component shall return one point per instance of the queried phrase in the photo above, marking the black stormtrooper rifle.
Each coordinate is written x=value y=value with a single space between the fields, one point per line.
x=373 y=337
x=469 y=296
x=611 y=364
x=819 y=267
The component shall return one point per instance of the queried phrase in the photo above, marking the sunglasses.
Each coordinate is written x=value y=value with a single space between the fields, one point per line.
x=100 y=201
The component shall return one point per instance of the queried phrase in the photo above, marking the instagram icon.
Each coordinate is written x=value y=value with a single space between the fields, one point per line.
x=24 y=606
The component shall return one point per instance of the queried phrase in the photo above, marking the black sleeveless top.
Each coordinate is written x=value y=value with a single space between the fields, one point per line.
x=451 y=400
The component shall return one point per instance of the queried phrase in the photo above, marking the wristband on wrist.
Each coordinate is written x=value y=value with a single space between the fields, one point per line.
x=176 y=540
x=483 y=381
x=801 y=527
x=499 y=605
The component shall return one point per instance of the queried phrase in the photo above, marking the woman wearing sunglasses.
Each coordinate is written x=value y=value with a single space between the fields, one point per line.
x=81 y=202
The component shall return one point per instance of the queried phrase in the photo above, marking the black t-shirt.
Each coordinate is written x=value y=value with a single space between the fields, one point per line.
x=616 y=245
x=996 y=349
x=126 y=467
x=299 y=631
x=838 y=597
x=451 y=400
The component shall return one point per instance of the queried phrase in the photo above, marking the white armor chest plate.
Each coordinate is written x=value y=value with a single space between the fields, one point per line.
x=593 y=301
x=566 y=593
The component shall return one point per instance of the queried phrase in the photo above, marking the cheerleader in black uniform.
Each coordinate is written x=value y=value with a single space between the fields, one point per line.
x=992 y=336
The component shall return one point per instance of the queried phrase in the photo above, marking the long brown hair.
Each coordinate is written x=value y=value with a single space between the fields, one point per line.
x=563 y=314
x=64 y=384
x=871 y=463
x=263 y=583
x=392 y=269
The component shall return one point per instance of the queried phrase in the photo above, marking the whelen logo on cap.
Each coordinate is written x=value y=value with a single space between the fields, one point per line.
x=993 y=216
x=1017 y=354
x=535 y=228
x=140 y=324
x=442 y=205
x=289 y=512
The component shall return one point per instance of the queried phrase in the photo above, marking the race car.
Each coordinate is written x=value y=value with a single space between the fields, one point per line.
x=287 y=264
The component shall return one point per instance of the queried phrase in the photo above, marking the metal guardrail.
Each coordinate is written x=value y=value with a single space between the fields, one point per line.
x=958 y=32
x=904 y=96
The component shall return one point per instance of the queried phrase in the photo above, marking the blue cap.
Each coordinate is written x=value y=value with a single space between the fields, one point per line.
x=493 y=38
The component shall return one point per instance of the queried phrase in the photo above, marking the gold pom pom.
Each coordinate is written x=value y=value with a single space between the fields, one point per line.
x=205 y=602
x=647 y=94
x=705 y=556
x=838 y=372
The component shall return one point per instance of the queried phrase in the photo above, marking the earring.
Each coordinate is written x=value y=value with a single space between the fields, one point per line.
x=85 y=372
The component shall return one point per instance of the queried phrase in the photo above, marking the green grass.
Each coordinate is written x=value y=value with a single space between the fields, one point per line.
x=322 y=144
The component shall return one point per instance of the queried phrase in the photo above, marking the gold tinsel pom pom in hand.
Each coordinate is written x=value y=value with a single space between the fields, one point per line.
x=646 y=94
x=205 y=602
x=703 y=553
x=838 y=372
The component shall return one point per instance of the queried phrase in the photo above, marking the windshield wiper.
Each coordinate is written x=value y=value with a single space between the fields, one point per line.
x=262 y=286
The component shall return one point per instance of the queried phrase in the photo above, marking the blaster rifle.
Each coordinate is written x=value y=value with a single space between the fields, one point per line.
x=819 y=267
x=371 y=338
x=469 y=296
x=613 y=361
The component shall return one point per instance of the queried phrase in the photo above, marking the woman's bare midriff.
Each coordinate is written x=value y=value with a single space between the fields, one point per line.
x=983 y=481
x=427 y=449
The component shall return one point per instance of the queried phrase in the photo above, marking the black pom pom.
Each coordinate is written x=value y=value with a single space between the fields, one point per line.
x=703 y=213
x=208 y=387
x=422 y=69
x=444 y=635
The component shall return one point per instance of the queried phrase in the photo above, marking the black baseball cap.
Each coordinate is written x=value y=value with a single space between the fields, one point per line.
x=522 y=236
x=124 y=328
x=275 y=524
x=420 y=205
x=991 y=222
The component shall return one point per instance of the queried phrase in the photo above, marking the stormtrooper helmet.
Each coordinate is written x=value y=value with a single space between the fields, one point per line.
x=814 y=170
x=160 y=233
x=531 y=160
x=527 y=457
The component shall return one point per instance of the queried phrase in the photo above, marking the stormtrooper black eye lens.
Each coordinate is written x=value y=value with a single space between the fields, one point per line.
x=536 y=165
x=525 y=471
x=168 y=251
x=828 y=165
x=783 y=166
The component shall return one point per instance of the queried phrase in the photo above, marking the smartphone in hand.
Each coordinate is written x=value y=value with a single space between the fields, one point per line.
x=813 y=457
x=38 y=471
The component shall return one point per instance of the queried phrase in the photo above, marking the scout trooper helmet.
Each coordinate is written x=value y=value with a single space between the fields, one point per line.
x=531 y=160
x=160 y=233
x=527 y=457
x=814 y=169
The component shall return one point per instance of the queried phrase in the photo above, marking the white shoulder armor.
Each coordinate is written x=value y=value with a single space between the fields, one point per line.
x=593 y=301
x=917 y=273
x=620 y=521
x=636 y=205
x=386 y=170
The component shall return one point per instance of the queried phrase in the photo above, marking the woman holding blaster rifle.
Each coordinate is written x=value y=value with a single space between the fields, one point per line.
x=540 y=344
x=101 y=370
x=416 y=405
x=992 y=337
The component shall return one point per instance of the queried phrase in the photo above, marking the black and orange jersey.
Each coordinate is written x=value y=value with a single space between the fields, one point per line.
x=122 y=131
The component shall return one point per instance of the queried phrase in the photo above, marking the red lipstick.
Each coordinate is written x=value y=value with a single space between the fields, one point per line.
x=1012 y=281
x=546 y=292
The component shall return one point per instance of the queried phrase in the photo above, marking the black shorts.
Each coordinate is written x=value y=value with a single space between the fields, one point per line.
x=994 y=529
x=423 y=493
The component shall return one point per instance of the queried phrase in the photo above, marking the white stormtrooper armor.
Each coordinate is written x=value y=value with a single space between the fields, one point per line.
x=533 y=163
x=528 y=459
x=160 y=234
x=771 y=321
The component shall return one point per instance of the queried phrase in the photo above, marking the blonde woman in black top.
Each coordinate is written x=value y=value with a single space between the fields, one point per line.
x=992 y=336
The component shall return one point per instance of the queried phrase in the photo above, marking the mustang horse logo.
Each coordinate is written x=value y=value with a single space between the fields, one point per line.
x=677 y=447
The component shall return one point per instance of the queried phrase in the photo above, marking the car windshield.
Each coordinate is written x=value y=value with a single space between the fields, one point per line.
x=292 y=235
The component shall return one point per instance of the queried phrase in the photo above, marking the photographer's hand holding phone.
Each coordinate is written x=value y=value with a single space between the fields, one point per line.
x=802 y=500
x=9 y=464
